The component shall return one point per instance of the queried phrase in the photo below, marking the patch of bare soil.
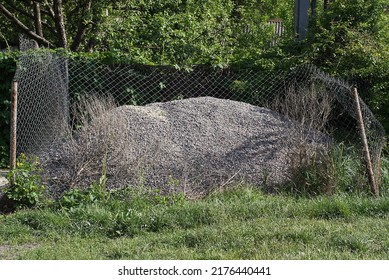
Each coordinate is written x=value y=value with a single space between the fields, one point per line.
x=12 y=252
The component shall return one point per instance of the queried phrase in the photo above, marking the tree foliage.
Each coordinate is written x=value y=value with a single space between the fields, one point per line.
x=153 y=31
x=350 y=38
x=54 y=23
x=7 y=70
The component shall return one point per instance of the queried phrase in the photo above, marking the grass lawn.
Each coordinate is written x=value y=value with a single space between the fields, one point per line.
x=242 y=223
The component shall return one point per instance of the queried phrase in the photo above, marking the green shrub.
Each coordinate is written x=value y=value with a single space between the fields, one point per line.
x=26 y=189
x=77 y=197
x=350 y=40
x=7 y=70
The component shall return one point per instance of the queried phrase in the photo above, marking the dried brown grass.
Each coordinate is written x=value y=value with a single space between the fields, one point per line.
x=95 y=147
x=311 y=166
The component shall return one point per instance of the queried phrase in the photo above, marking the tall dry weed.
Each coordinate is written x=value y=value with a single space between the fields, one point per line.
x=97 y=142
x=310 y=165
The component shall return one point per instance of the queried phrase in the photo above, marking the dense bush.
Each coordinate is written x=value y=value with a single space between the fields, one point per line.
x=7 y=70
x=27 y=189
x=351 y=40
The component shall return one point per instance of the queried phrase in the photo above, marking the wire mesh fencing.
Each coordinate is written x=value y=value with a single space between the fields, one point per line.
x=50 y=84
x=42 y=97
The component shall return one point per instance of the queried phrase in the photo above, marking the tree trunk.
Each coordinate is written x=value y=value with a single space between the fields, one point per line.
x=81 y=29
x=22 y=27
x=38 y=19
x=60 y=24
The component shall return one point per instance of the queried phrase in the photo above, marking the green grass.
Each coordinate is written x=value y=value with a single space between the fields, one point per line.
x=242 y=223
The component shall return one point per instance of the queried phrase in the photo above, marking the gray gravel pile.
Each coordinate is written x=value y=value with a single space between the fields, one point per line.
x=201 y=143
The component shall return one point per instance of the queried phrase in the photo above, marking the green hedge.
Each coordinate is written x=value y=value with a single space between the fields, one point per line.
x=7 y=70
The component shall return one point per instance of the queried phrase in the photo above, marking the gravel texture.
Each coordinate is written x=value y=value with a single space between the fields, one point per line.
x=202 y=143
x=3 y=184
x=3 y=180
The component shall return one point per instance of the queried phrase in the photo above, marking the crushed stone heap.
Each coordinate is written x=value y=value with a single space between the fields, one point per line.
x=200 y=143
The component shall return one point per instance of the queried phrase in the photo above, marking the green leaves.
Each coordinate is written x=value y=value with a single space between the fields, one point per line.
x=190 y=32
x=350 y=40
x=7 y=70
x=76 y=198
x=27 y=189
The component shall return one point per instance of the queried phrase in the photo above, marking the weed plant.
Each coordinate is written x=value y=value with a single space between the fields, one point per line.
x=27 y=189
x=338 y=170
x=384 y=176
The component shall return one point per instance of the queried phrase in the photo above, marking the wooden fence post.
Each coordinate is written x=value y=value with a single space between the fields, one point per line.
x=366 y=152
x=14 y=108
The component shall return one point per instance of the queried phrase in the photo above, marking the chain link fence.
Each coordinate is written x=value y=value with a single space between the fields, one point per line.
x=42 y=97
x=50 y=84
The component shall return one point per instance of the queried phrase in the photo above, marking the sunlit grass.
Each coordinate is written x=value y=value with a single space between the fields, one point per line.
x=242 y=223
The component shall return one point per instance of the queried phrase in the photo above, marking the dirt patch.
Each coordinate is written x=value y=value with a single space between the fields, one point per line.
x=12 y=252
